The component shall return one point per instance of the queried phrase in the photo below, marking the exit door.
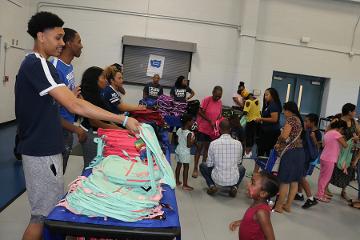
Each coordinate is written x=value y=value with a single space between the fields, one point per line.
x=305 y=91
x=358 y=105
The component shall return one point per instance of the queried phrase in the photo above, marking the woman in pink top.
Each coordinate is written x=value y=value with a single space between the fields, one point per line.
x=210 y=111
x=333 y=140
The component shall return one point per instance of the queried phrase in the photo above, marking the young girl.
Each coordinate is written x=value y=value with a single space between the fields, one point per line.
x=182 y=152
x=256 y=223
x=333 y=140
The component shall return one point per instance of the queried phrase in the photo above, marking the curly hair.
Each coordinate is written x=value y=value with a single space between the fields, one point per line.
x=42 y=21
x=110 y=73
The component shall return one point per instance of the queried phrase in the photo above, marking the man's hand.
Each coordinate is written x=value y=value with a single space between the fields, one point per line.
x=81 y=134
x=257 y=120
x=133 y=125
x=77 y=91
x=142 y=107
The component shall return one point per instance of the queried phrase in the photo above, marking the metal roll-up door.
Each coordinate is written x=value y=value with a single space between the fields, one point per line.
x=135 y=60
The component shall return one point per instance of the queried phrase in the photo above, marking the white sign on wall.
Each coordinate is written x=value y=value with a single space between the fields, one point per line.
x=155 y=65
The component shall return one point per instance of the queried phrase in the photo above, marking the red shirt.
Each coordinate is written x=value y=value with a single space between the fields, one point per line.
x=212 y=110
x=249 y=228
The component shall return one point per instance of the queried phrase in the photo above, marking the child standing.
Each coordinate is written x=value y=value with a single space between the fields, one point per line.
x=333 y=140
x=252 y=112
x=182 y=152
x=312 y=147
x=256 y=223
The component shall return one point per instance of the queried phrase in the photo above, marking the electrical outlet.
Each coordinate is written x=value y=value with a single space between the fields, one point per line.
x=6 y=79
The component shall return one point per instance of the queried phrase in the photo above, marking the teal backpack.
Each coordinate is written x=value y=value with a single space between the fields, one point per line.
x=121 y=188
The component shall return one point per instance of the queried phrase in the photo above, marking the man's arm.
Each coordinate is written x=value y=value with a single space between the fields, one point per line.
x=192 y=94
x=101 y=124
x=145 y=92
x=74 y=129
x=83 y=108
x=125 y=107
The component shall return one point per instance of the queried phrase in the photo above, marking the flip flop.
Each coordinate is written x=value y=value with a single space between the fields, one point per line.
x=323 y=199
x=354 y=205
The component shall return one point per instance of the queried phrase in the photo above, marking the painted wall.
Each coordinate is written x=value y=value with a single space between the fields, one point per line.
x=269 y=41
x=12 y=32
x=214 y=63
x=330 y=25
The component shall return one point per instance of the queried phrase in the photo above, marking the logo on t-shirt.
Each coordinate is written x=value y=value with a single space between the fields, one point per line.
x=180 y=93
x=153 y=91
x=71 y=80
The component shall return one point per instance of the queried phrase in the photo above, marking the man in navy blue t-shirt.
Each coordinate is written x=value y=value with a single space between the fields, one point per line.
x=154 y=89
x=65 y=70
x=38 y=91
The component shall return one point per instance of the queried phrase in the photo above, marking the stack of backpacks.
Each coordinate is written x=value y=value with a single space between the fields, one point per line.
x=125 y=182
x=168 y=107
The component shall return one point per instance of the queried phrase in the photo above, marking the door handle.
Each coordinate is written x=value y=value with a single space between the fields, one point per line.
x=300 y=96
x=288 y=92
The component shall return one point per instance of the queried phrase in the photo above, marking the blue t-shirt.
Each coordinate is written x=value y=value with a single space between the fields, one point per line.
x=37 y=113
x=271 y=108
x=153 y=91
x=111 y=99
x=179 y=94
x=66 y=75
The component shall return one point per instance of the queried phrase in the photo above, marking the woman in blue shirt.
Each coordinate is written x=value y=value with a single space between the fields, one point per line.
x=111 y=94
x=92 y=82
x=269 y=123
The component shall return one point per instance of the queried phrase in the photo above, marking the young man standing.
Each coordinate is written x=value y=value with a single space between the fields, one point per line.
x=38 y=91
x=65 y=70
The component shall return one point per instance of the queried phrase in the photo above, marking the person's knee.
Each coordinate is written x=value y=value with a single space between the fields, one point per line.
x=33 y=231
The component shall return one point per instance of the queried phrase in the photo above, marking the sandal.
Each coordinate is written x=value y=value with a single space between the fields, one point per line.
x=355 y=205
x=327 y=192
x=323 y=199
x=187 y=188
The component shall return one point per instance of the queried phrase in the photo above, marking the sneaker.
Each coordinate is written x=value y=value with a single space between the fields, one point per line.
x=233 y=191
x=212 y=190
x=309 y=203
x=299 y=197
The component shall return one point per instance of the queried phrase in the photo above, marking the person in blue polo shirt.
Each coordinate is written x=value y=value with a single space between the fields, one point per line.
x=38 y=91
x=178 y=92
x=111 y=94
x=65 y=70
x=153 y=90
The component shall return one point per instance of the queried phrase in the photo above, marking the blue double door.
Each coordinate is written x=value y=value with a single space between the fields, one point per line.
x=305 y=91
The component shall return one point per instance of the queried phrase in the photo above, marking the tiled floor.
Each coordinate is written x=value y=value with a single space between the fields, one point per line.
x=206 y=218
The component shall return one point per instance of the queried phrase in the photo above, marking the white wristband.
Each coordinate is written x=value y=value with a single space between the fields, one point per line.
x=125 y=121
